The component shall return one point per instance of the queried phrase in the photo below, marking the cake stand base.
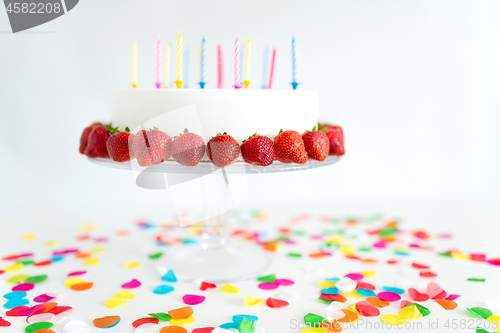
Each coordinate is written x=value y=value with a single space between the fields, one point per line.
x=217 y=264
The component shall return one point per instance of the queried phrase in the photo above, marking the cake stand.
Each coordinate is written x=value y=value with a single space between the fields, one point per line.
x=215 y=258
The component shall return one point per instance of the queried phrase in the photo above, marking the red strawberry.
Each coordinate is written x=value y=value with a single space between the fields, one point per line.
x=317 y=144
x=289 y=147
x=84 y=139
x=336 y=137
x=96 y=146
x=258 y=150
x=223 y=150
x=151 y=147
x=188 y=148
x=118 y=146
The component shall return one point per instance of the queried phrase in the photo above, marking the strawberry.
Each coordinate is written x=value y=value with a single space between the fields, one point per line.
x=188 y=148
x=118 y=146
x=84 y=139
x=336 y=137
x=289 y=147
x=258 y=150
x=96 y=146
x=223 y=150
x=317 y=144
x=151 y=147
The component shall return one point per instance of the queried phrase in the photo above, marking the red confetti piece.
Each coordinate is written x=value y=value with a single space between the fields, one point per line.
x=364 y=285
x=404 y=303
x=33 y=309
x=367 y=309
x=60 y=309
x=392 y=262
x=207 y=285
x=477 y=257
x=420 y=266
x=421 y=235
x=416 y=296
x=353 y=257
x=15 y=311
x=203 y=330
x=12 y=257
x=331 y=297
x=428 y=274
x=42 y=263
x=433 y=289
x=142 y=321
x=4 y=323
x=276 y=303
x=441 y=295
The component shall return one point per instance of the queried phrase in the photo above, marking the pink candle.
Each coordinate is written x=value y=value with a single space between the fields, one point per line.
x=158 y=63
x=237 y=63
x=273 y=60
x=220 y=67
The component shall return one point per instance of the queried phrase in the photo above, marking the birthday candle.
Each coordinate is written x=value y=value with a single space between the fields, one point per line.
x=134 y=65
x=294 y=65
x=264 y=68
x=178 y=82
x=220 y=67
x=201 y=61
x=273 y=61
x=166 y=80
x=158 y=62
x=237 y=63
x=248 y=51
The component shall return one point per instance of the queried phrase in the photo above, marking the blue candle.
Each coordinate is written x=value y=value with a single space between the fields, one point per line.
x=202 y=63
x=294 y=65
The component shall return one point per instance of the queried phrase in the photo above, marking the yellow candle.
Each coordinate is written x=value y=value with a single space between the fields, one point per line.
x=166 y=80
x=134 y=65
x=179 y=82
x=248 y=51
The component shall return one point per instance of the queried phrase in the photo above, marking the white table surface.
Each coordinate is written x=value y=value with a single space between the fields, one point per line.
x=473 y=224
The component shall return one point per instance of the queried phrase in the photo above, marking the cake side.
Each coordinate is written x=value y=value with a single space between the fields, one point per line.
x=240 y=113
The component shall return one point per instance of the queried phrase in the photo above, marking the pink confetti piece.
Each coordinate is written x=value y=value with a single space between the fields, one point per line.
x=433 y=289
x=495 y=262
x=268 y=285
x=132 y=284
x=77 y=273
x=43 y=298
x=40 y=317
x=27 y=286
x=404 y=303
x=380 y=245
x=416 y=296
x=367 y=309
x=452 y=297
x=193 y=299
x=33 y=309
x=389 y=296
x=364 y=285
x=284 y=282
x=64 y=252
x=355 y=276
x=101 y=240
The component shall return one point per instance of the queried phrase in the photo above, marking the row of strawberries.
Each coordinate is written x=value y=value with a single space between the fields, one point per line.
x=151 y=147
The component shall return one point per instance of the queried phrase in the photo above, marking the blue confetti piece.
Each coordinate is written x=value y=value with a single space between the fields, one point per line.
x=227 y=326
x=330 y=291
x=15 y=303
x=333 y=279
x=15 y=295
x=366 y=292
x=394 y=290
x=401 y=253
x=56 y=259
x=169 y=277
x=163 y=289
x=238 y=318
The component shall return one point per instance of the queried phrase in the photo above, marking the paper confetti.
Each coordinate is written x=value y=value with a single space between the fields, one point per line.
x=447 y=304
x=246 y=326
x=181 y=313
x=389 y=296
x=480 y=312
x=173 y=329
x=169 y=276
x=410 y=312
x=393 y=319
x=143 y=321
x=18 y=278
x=229 y=288
x=163 y=289
x=193 y=299
x=207 y=285
x=267 y=278
x=183 y=322
x=249 y=301
x=132 y=264
x=132 y=284
x=115 y=303
x=38 y=326
x=106 y=322
x=91 y=261
x=124 y=294
x=276 y=303
x=161 y=316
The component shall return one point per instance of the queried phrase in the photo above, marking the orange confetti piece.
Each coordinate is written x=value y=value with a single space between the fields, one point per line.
x=447 y=304
x=82 y=286
x=350 y=316
x=82 y=255
x=369 y=261
x=173 y=329
x=106 y=321
x=49 y=306
x=181 y=313
x=44 y=330
x=317 y=255
x=375 y=301
x=270 y=246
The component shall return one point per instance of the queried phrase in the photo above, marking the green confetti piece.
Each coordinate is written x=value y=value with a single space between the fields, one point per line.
x=481 y=330
x=476 y=280
x=246 y=326
x=423 y=310
x=155 y=255
x=312 y=319
x=294 y=255
x=267 y=278
x=299 y=232
x=480 y=312
x=323 y=301
x=161 y=316
x=387 y=232
x=38 y=326
x=445 y=254
x=37 y=278
x=364 y=249
x=25 y=262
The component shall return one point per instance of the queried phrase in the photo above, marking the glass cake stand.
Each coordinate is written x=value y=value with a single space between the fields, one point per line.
x=215 y=258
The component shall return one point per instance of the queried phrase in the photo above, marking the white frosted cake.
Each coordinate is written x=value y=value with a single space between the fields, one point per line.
x=207 y=112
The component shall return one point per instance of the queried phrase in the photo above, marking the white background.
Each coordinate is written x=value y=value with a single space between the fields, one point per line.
x=415 y=84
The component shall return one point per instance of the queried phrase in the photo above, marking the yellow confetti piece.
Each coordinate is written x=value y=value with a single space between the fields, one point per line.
x=132 y=264
x=368 y=273
x=249 y=301
x=72 y=281
x=313 y=330
x=87 y=227
x=393 y=319
x=335 y=240
x=458 y=255
x=348 y=249
x=229 y=288
x=410 y=312
x=353 y=294
x=18 y=278
x=52 y=243
x=402 y=249
x=352 y=307
x=14 y=267
x=98 y=249
x=28 y=237
x=91 y=261
x=115 y=303
x=327 y=284
x=125 y=294
x=182 y=322
x=494 y=318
